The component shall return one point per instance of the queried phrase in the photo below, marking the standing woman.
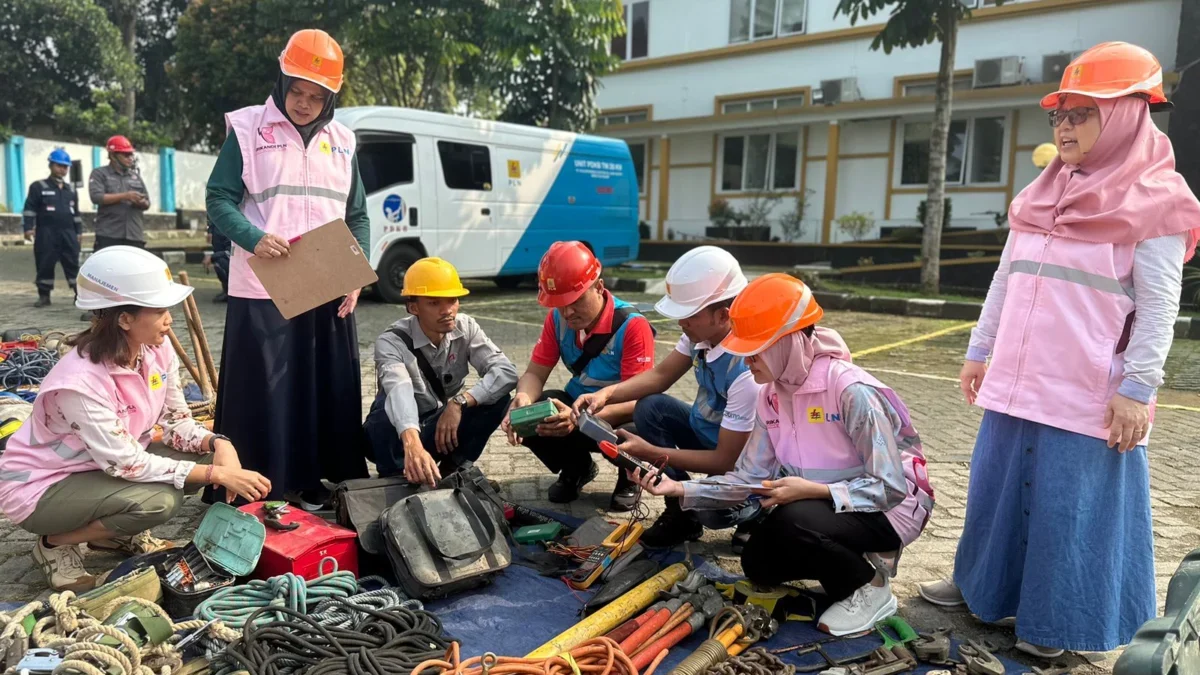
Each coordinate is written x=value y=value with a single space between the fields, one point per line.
x=1078 y=323
x=289 y=393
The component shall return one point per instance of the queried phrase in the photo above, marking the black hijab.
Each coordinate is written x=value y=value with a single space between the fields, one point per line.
x=279 y=95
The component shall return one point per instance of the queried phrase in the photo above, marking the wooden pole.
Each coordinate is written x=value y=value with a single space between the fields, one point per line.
x=183 y=356
x=198 y=324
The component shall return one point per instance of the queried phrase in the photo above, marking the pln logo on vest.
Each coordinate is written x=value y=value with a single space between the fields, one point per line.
x=328 y=149
x=817 y=415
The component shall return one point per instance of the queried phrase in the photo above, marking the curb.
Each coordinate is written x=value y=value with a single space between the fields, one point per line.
x=1186 y=328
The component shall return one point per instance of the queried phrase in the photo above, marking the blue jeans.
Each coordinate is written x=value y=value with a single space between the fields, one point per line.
x=665 y=421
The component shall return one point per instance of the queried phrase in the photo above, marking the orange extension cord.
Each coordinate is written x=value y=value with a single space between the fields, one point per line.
x=598 y=656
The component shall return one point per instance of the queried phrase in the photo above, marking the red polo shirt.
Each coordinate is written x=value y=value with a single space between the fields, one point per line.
x=637 y=349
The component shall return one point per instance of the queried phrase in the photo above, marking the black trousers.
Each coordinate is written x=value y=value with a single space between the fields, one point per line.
x=809 y=540
x=220 y=261
x=53 y=246
x=474 y=429
x=570 y=455
x=105 y=242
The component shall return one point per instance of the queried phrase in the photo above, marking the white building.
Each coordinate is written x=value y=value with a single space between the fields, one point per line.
x=728 y=98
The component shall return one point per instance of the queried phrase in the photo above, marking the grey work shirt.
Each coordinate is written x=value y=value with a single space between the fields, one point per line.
x=409 y=398
x=121 y=220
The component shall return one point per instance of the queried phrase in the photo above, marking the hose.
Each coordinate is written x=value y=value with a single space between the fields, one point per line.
x=757 y=661
x=21 y=367
x=598 y=656
x=235 y=605
x=387 y=642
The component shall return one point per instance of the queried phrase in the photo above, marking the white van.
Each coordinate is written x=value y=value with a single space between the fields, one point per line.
x=487 y=196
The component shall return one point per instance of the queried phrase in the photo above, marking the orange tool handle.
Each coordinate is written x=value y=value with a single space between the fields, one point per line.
x=626 y=629
x=664 y=643
x=629 y=644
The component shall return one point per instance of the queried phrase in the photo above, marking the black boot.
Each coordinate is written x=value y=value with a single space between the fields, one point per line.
x=673 y=527
x=566 y=489
x=42 y=301
x=625 y=495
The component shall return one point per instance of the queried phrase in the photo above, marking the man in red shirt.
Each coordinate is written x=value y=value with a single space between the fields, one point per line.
x=602 y=340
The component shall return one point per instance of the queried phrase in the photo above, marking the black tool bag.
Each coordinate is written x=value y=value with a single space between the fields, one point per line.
x=359 y=502
x=444 y=541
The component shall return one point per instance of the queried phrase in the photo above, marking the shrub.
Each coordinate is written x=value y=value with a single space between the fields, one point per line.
x=856 y=225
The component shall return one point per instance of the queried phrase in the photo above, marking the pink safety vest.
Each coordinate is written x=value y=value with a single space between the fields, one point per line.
x=36 y=458
x=814 y=444
x=1059 y=354
x=290 y=189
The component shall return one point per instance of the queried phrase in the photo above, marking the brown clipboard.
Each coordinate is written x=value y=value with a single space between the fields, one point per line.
x=322 y=265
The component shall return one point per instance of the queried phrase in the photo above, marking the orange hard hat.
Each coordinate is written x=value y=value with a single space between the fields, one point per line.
x=1112 y=70
x=566 y=271
x=770 y=307
x=118 y=144
x=313 y=55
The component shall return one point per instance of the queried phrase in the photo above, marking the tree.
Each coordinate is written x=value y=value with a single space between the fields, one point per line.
x=227 y=56
x=915 y=23
x=124 y=15
x=549 y=57
x=53 y=51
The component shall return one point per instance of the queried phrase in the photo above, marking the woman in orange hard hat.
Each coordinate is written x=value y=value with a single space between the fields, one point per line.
x=833 y=471
x=1077 y=325
x=289 y=390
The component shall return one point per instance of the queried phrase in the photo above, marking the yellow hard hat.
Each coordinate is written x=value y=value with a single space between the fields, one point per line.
x=433 y=278
x=1044 y=154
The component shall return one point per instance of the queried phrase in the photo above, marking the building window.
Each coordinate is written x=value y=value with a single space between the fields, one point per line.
x=763 y=19
x=757 y=162
x=767 y=103
x=637 y=150
x=635 y=43
x=975 y=4
x=975 y=151
x=384 y=161
x=929 y=87
x=465 y=166
x=622 y=118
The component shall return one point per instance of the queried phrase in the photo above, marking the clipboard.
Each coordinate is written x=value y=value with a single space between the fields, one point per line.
x=323 y=264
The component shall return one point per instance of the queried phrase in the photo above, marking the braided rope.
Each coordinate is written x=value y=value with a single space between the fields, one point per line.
x=757 y=661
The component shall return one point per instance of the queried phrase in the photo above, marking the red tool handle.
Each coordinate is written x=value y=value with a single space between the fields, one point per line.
x=626 y=629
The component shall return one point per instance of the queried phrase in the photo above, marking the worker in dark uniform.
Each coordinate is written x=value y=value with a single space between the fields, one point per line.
x=218 y=260
x=52 y=223
x=120 y=196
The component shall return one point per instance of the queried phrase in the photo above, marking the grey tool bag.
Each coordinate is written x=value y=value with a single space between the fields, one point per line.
x=443 y=541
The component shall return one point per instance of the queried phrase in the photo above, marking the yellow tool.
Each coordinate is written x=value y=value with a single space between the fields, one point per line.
x=614 y=546
x=767 y=597
x=613 y=614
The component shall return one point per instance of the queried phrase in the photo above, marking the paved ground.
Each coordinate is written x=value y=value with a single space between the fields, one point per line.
x=921 y=372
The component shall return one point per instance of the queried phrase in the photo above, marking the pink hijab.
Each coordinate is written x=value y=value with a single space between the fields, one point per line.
x=1127 y=190
x=790 y=359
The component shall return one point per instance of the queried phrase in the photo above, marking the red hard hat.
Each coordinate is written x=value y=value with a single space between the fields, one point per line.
x=566 y=271
x=119 y=144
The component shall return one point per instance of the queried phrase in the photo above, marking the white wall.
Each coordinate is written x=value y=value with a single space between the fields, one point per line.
x=688 y=90
x=37 y=157
x=191 y=176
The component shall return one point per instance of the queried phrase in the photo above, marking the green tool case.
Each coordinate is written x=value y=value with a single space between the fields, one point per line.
x=525 y=420
x=534 y=533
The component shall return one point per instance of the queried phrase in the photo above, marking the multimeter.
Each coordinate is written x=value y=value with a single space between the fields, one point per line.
x=614 y=546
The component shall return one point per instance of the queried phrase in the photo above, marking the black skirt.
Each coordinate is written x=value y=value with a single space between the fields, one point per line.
x=289 y=394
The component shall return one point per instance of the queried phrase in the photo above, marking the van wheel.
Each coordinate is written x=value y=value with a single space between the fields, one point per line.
x=510 y=282
x=391 y=272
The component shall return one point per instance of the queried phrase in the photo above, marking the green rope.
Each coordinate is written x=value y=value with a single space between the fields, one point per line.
x=234 y=605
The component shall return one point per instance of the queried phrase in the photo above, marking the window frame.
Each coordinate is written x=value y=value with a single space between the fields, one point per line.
x=627 y=38
x=776 y=31
x=772 y=149
x=490 y=184
x=969 y=152
x=645 y=143
x=370 y=137
x=605 y=119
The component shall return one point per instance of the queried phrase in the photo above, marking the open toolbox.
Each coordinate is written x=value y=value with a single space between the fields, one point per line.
x=227 y=545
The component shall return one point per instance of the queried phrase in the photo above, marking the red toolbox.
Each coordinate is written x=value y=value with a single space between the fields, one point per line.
x=301 y=550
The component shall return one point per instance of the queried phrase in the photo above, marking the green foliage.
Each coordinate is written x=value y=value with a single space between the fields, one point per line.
x=856 y=225
x=95 y=123
x=911 y=23
x=1191 y=285
x=791 y=224
x=923 y=208
x=721 y=213
x=758 y=211
x=548 y=58
x=54 y=51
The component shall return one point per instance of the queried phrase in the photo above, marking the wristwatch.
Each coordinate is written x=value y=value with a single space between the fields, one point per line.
x=460 y=399
x=212 y=445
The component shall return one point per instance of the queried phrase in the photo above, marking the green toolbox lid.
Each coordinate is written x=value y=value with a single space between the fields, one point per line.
x=230 y=539
x=525 y=419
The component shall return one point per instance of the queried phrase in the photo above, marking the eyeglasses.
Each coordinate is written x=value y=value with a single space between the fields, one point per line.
x=1075 y=115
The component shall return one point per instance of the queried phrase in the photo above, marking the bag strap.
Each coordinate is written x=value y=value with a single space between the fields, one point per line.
x=474 y=510
x=431 y=378
x=596 y=342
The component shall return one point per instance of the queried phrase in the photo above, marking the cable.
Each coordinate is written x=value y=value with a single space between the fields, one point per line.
x=22 y=367
x=757 y=661
x=235 y=605
x=386 y=642
x=598 y=656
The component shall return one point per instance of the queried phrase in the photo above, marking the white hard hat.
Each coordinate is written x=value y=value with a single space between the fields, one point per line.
x=124 y=275
x=701 y=277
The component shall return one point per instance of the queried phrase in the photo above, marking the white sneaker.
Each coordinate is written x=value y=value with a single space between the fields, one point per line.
x=942 y=593
x=859 y=612
x=63 y=567
x=1038 y=651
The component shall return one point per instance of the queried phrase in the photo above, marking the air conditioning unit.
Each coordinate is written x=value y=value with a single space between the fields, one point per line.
x=838 y=91
x=1053 y=65
x=999 y=72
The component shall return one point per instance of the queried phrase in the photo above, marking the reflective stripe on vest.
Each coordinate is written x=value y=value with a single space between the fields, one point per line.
x=1071 y=275
x=298 y=191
